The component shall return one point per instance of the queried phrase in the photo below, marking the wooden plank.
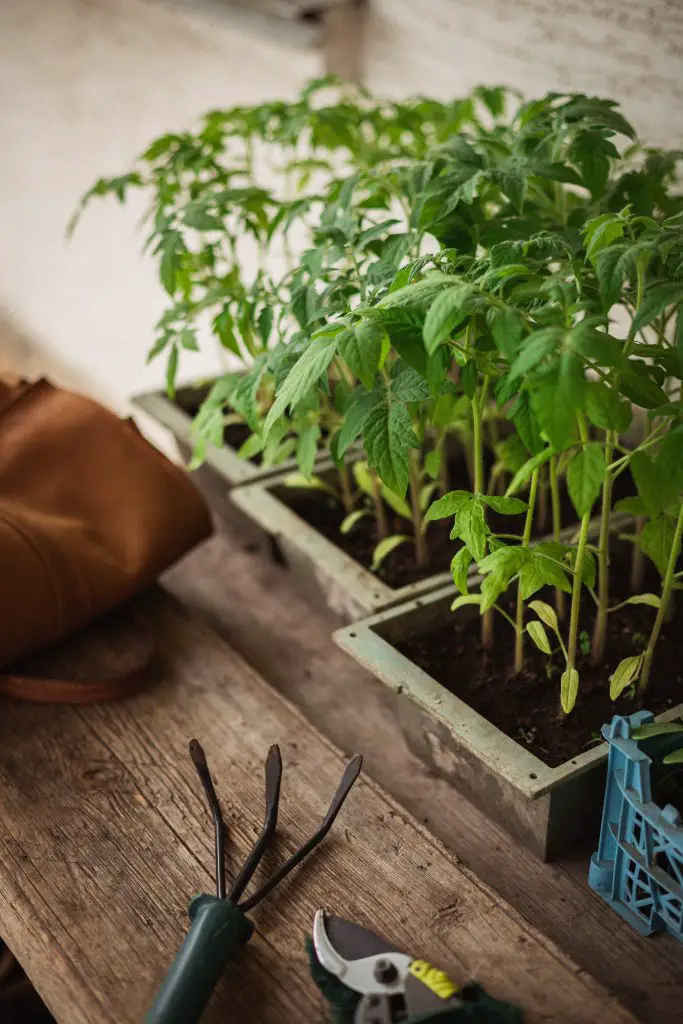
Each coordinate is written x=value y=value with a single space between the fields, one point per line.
x=252 y=604
x=104 y=837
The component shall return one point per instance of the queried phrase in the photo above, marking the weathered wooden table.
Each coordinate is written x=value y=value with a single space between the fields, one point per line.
x=104 y=836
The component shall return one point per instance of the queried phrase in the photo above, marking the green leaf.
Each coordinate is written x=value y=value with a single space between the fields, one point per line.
x=197 y=217
x=585 y=477
x=304 y=374
x=557 y=400
x=505 y=506
x=460 y=566
x=251 y=447
x=652 y=729
x=657 y=299
x=623 y=675
x=634 y=506
x=469 y=377
x=444 y=315
x=432 y=463
x=507 y=330
x=525 y=473
x=536 y=347
x=545 y=613
x=588 y=152
x=307 y=449
x=649 y=599
x=465 y=599
x=449 y=504
x=388 y=435
x=505 y=561
x=361 y=406
x=171 y=371
x=569 y=688
x=409 y=386
x=526 y=424
x=352 y=518
x=642 y=391
x=416 y=295
x=539 y=571
x=669 y=464
x=265 y=323
x=601 y=232
x=539 y=636
x=656 y=540
x=361 y=350
x=223 y=326
x=188 y=339
x=651 y=487
x=605 y=409
x=675 y=757
x=471 y=527
x=385 y=547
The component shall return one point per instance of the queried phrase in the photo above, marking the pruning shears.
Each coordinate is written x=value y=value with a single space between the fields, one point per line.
x=219 y=924
x=366 y=980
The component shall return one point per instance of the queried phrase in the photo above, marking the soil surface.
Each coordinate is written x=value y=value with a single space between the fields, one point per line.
x=526 y=706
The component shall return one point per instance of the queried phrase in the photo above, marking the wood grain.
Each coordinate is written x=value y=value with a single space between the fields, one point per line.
x=253 y=605
x=104 y=837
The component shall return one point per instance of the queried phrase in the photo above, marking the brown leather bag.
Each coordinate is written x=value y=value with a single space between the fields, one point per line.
x=90 y=513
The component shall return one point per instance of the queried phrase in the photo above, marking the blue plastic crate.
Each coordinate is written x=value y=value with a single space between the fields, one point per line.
x=638 y=867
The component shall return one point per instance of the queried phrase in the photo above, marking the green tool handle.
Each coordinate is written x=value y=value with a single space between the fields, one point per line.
x=217 y=931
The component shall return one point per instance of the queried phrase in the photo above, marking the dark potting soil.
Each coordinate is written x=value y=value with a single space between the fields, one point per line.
x=526 y=706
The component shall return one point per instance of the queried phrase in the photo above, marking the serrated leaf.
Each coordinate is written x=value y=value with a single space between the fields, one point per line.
x=361 y=350
x=585 y=477
x=307 y=449
x=251 y=447
x=633 y=505
x=505 y=561
x=304 y=374
x=539 y=571
x=472 y=530
x=351 y=519
x=505 y=506
x=409 y=386
x=558 y=399
x=652 y=729
x=444 y=315
x=623 y=675
x=651 y=487
x=385 y=547
x=525 y=473
x=388 y=436
x=589 y=154
x=601 y=232
x=465 y=599
x=611 y=267
x=546 y=614
x=460 y=566
x=539 y=636
x=358 y=411
x=449 y=504
x=526 y=424
x=535 y=349
x=605 y=408
x=419 y=294
x=507 y=330
x=669 y=464
x=656 y=540
x=569 y=689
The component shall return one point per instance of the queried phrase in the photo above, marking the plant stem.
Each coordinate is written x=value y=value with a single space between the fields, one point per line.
x=444 y=484
x=576 y=593
x=477 y=407
x=542 y=504
x=667 y=585
x=419 y=539
x=600 y=628
x=526 y=537
x=346 y=488
x=637 y=555
x=380 y=510
x=560 y=603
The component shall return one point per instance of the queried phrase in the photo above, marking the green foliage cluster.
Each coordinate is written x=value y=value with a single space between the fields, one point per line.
x=499 y=275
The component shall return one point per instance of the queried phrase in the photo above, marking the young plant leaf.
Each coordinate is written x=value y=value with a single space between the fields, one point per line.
x=624 y=674
x=539 y=636
x=651 y=729
x=358 y=412
x=304 y=374
x=361 y=350
x=651 y=487
x=352 y=518
x=675 y=757
x=585 y=477
x=538 y=572
x=313 y=483
x=385 y=547
x=525 y=473
x=465 y=599
x=569 y=688
x=470 y=525
x=657 y=299
x=444 y=315
x=307 y=448
x=388 y=436
x=600 y=232
x=656 y=539
x=505 y=506
x=535 y=349
x=545 y=613
x=449 y=504
x=642 y=391
x=460 y=566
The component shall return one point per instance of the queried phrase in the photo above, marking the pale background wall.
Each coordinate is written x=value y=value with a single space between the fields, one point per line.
x=85 y=84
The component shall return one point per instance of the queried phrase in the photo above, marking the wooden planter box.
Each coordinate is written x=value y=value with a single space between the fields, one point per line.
x=548 y=809
x=322 y=571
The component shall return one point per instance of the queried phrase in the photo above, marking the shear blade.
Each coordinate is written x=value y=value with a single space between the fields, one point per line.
x=352 y=953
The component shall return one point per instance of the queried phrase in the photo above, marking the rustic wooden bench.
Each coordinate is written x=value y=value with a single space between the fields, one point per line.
x=104 y=836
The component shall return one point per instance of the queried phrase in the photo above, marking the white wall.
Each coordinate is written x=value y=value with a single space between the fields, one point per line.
x=85 y=85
